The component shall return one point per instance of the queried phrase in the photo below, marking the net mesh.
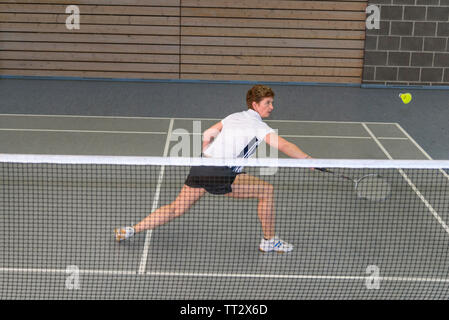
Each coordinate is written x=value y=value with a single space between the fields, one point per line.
x=58 y=215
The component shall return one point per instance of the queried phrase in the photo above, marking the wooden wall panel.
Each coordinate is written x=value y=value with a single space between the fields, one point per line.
x=116 y=39
x=262 y=40
x=254 y=40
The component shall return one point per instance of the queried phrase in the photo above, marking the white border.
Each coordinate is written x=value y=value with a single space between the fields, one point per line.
x=252 y=162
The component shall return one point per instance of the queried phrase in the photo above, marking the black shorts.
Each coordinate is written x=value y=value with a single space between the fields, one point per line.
x=215 y=179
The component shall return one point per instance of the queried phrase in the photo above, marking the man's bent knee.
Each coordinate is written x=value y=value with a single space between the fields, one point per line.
x=267 y=190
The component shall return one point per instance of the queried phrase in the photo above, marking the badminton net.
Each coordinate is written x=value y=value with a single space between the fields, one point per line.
x=58 y=215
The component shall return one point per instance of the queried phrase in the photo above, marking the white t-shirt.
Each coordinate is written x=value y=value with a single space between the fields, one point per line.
x=240 y=136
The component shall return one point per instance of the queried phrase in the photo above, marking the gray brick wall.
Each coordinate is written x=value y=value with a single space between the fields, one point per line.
x=412 y=45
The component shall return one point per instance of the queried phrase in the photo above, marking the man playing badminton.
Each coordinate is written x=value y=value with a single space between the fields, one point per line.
x=236 y=136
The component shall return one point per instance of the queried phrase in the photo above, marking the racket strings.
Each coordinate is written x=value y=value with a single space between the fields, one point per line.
x=373 y=187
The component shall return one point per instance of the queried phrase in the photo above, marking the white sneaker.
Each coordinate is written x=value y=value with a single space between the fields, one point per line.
x=275 y=244
x=124 y=233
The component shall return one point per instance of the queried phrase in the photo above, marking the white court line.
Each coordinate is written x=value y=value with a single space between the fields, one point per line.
x=99 y=272
x=82 y=131
x=336 y=122
x=411 y=184
x=146 y=248
x=78 y=116
x=420 y=149
x=310 y=136
x=391 y=138
x=159 y=118
x=294 y=276
x=226 y=275
x=187 y=133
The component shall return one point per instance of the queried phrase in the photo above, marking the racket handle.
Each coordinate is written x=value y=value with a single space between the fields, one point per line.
x=336 y=174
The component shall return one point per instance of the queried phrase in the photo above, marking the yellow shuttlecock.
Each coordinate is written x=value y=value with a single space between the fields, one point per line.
x=406 y=97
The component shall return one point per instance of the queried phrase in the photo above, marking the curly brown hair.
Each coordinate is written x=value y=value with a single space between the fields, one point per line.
x=257 y=93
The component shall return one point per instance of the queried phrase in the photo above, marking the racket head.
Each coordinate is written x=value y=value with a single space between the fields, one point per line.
x=373 y=187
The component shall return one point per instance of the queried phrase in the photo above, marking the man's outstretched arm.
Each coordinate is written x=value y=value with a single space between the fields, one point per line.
x=285 y=146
